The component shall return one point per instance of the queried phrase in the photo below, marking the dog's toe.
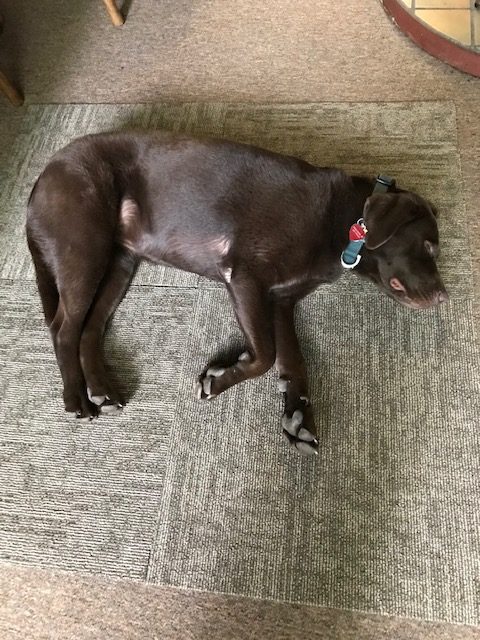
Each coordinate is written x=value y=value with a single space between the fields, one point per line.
x=78 y=404
x=110 y=406
x=215 y=372
x=307 y=448
x=304 y=447
x=305 y=435
x=81 y=417
x=105 y=403
x=291 y=424
x=98 y=400
x=86 y=412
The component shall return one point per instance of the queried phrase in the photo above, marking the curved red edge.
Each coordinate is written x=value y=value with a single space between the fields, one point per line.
x=432 y=42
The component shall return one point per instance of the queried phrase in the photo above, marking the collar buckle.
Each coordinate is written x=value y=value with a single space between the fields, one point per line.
x=383 y=184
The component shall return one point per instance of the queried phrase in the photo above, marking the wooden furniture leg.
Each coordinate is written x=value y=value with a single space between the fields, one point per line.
x=9 y=90
x=114 y=13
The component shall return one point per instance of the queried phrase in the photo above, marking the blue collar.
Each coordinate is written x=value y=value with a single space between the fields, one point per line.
x=351 y=255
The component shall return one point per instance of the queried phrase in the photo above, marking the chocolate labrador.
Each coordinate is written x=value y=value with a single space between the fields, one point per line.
x=272 y=228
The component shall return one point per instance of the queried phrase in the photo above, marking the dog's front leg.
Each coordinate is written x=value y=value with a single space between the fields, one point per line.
x=297 y=421
x=254 y=312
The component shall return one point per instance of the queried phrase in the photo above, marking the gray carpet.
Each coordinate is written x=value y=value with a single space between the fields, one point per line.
x=208 y=496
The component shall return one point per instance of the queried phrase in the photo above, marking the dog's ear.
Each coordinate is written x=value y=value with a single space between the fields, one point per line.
x=384 y=213
x=433 y=208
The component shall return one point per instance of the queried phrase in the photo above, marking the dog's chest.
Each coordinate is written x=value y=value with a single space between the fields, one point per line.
x=302 y=284
x=299 y=278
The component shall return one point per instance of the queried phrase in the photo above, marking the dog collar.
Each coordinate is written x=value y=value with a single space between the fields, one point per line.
x=351 y=255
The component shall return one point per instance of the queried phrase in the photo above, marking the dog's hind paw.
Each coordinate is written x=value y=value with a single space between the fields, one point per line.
x=105 y=403
x=298 y=435
x=80 y=406
x=110 y=406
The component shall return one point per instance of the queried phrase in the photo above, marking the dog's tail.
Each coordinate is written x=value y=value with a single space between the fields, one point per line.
x=47 y=287
x=45 y=280
x=32 y=191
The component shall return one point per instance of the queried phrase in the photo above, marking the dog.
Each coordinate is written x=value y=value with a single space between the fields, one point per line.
x=272 y=228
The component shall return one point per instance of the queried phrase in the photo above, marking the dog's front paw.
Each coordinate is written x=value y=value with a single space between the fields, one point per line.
x=205 y=387
x=298 y=435
x=297 y=421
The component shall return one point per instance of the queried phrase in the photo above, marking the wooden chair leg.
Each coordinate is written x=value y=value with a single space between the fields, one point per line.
x=115 y=15
x=9 y=90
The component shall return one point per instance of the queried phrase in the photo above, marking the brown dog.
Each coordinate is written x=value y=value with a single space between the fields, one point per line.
x=272 y=228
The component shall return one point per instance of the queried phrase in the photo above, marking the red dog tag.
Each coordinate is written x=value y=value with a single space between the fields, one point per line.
x=356 y=232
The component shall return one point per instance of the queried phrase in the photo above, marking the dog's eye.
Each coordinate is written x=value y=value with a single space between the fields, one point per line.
x=431 y=248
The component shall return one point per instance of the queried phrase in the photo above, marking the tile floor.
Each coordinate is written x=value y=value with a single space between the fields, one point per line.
x=456 y=19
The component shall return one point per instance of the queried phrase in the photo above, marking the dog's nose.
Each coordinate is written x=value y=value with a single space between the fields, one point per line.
x=442 y=296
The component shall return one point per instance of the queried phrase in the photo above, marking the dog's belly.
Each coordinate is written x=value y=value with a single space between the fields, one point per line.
x=206 y=255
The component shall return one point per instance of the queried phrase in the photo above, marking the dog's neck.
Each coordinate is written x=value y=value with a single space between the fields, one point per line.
x=350 y=204
x=350 y=213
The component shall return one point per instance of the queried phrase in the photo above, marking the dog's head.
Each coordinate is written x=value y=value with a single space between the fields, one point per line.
x=401 y=248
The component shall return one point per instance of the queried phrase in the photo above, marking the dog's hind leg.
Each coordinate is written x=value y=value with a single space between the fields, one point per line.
x=297 y=421
x=109 y=295
x=77 y=282
x=77 y=261
x=254 y=311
